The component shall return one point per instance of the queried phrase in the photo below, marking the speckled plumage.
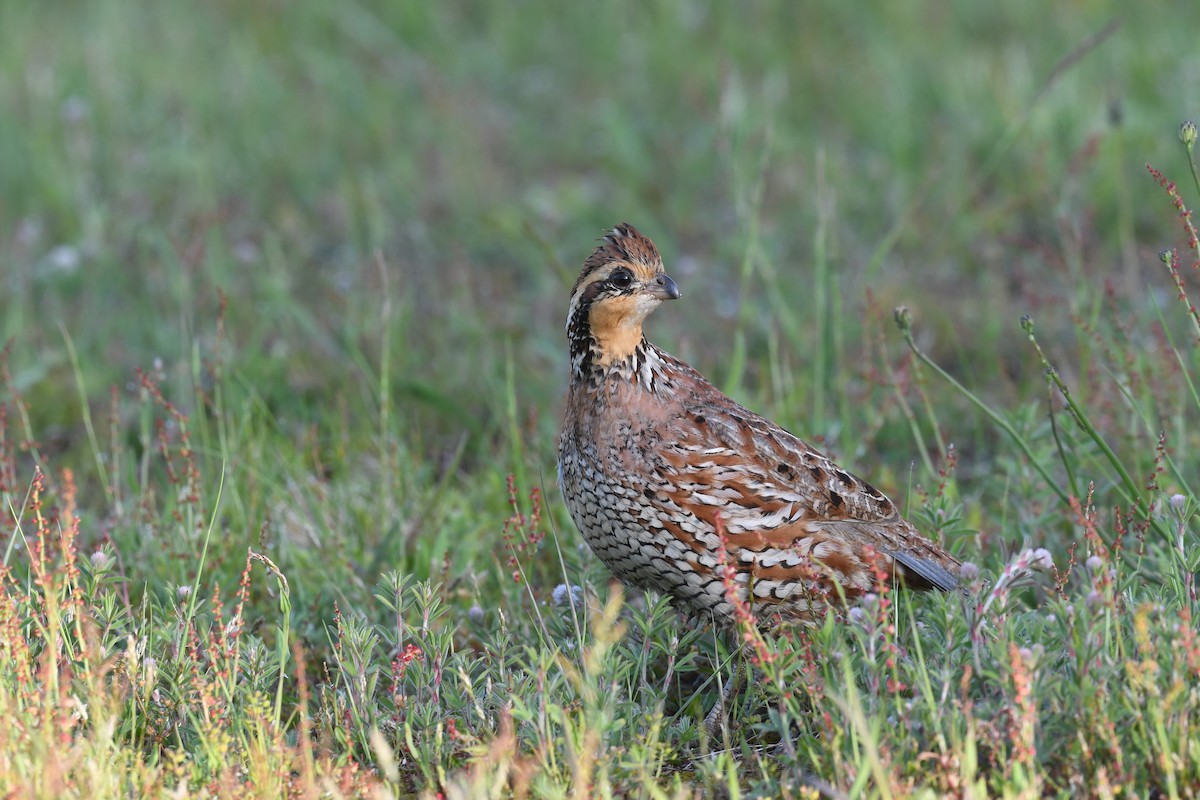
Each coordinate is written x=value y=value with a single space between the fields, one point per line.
x=651 y=454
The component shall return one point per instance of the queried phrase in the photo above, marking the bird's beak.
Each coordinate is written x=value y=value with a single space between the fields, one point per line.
x=664 y=288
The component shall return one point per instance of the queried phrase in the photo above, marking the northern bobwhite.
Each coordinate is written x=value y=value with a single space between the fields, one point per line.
x=652 y=454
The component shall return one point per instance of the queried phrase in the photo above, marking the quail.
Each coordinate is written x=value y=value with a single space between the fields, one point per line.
x=675 y=486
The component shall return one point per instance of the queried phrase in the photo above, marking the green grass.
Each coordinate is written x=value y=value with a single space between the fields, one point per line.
x=282 y=292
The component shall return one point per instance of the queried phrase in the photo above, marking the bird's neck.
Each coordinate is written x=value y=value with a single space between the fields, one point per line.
x=612 y=354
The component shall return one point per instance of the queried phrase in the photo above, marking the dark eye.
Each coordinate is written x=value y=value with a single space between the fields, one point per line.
x=622 y=279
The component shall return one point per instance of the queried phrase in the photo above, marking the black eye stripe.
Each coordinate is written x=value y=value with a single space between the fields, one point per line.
x=590 y=292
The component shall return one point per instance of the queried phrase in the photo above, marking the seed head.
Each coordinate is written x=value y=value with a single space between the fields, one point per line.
x=1187 y=134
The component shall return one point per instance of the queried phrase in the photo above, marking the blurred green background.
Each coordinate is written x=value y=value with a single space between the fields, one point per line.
x=394 y=198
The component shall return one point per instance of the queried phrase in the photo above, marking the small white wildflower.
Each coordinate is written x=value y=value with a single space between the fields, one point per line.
x=63 y=259
x=1178 y=501
x=856 y=614
x=1051 y=617
x=246 y=252
x=1094 y=563
x=75 y=109
x=100 y=560
x=1041 y=559
x=183 y=592
x=870 y=599
x=969 y=571
x=564 y=595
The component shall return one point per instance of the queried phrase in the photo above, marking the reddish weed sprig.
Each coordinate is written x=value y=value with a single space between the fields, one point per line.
x=224 y=640
x=14 y=645
x=1160 y=457
x=809 y=669
x=522 y=533
x=1185 y=214
x=1170 y=258
x=1023 y=715
x=400 y=664
x=410 y=654
x=883 y=643
x=186 y=475
x=202 y=693
x=1100 y=562
x=39 y=554
x=947 y=469
x=760 y=654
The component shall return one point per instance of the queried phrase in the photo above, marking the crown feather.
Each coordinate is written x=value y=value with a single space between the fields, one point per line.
x=622 y=243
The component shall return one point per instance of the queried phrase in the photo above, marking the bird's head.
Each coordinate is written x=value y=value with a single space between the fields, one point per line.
x=621 y=283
